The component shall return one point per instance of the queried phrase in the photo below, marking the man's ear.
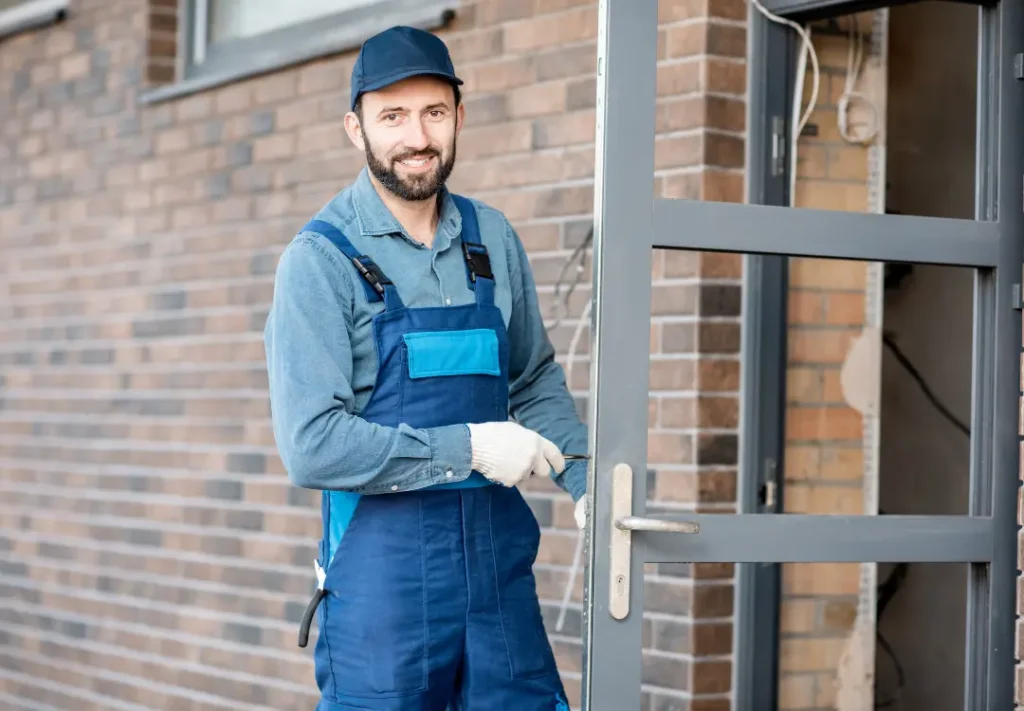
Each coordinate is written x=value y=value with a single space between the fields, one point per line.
x=460 y=117
x=354 y=130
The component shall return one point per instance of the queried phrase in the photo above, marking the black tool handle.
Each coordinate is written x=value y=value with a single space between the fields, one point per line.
x=307 y=616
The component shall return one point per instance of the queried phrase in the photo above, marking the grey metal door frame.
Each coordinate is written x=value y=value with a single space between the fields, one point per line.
x=630 y=222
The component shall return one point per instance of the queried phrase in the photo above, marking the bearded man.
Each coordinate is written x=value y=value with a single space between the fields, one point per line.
x=412 y=382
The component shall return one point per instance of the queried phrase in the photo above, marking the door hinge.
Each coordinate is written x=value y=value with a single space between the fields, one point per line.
x=1017 y=298
x=778 y=146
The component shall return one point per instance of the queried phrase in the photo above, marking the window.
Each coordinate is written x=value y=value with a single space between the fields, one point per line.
x=19 y=15
x=223 y=40
x=231 y=19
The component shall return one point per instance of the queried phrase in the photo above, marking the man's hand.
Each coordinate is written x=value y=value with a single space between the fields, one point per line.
x=507 y=453
x=581 y=513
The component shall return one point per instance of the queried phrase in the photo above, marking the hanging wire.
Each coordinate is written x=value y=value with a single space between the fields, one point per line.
x=560 y=305
x=559 y=311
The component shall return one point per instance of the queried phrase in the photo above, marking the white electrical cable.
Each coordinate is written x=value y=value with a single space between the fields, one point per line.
x=801 y=72
x=854 y=60
x=806 y=50
x=807 y=47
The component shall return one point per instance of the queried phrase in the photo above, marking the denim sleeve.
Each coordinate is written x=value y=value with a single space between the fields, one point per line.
x=322 y=444
x=538 y=397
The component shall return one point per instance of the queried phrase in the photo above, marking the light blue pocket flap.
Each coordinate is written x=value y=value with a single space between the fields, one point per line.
x=434 y=354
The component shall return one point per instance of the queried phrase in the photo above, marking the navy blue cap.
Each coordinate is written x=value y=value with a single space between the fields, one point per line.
x=398 y=53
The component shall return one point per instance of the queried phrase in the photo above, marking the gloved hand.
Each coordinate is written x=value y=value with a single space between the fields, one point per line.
x=507 y=452
x=581 y=513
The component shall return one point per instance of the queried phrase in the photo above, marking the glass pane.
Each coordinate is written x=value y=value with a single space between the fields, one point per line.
x=232 y=19
x=863 y=637
x=879 y=403
x=897 y=432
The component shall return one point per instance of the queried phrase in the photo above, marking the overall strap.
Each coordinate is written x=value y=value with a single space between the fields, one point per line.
x=376 y=285
x=478 y=263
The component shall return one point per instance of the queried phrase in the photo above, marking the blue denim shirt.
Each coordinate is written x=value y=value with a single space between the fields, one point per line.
x=322 y=363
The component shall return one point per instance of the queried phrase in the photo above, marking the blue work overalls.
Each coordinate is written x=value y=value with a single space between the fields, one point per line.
x=429 y=600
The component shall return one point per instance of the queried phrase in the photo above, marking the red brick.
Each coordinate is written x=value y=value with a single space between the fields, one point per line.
x=679 y=114
x=720 y=186
x=542 y=31
x=499 y=75
x=74 y=67
x=685 y=40
x=663 y=448
x=675 y=10
x=301 y=112
x=725 y=76
x=721 y=265
x=679 y=77
x=273 y=147
x=537 y=99
x=726 y=40
x=489 y=12
x=806 y=307
x=678 y=151
x=233 y=99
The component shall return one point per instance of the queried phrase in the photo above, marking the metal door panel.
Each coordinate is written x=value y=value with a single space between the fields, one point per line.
x=800 y=538
x=629 y=222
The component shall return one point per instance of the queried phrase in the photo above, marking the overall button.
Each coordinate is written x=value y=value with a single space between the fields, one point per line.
x=448 y=473
x=448 y=301
x=394 y=487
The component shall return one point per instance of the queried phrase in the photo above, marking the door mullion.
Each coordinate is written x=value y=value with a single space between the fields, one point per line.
x=800 y=538
x=830 y=234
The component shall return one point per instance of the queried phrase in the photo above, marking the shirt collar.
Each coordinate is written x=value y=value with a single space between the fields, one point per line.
x=376 y=220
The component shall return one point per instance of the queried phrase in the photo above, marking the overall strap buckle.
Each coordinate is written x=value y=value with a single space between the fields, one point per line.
x=477 y=261
x=373 y=275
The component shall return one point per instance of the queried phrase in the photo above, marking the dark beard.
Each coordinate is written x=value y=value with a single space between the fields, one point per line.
x=418 y=187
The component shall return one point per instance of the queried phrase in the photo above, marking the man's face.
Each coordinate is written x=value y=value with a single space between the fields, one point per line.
x=408 y=133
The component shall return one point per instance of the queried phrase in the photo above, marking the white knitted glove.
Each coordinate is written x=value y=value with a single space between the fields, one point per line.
x=581 y=513
x=507 y=453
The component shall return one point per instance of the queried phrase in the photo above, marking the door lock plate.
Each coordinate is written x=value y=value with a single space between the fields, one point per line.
x=622 y=507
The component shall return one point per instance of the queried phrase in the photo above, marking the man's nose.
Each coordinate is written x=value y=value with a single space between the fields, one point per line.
x=416 y=135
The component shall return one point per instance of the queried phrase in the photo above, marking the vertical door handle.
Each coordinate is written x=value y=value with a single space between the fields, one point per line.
x=623 y=525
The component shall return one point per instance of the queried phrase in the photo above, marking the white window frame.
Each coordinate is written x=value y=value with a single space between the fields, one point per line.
x=201 y=65
x=30 y=14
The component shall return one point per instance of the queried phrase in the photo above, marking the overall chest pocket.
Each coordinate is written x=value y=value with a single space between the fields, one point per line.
x=439 y=354
x=453 y=376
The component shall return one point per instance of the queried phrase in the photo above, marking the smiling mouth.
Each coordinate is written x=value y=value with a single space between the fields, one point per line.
x=416 y=162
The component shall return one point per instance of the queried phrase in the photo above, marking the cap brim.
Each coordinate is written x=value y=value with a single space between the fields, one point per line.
x=399 y=76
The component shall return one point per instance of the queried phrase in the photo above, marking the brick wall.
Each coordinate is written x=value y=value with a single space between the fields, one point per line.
x=153 y=552
x=693 y=420
x=827 y=453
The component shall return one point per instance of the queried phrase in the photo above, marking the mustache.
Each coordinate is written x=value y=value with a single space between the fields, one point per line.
x=416 y=155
